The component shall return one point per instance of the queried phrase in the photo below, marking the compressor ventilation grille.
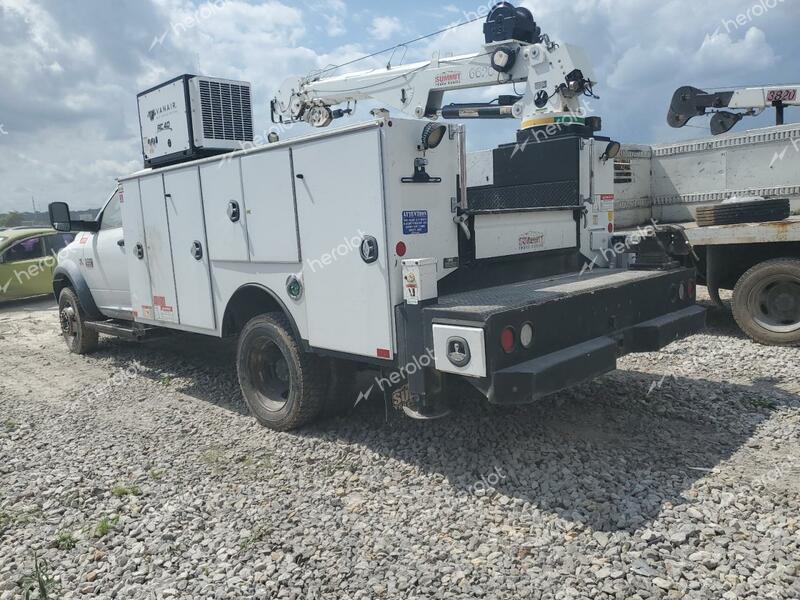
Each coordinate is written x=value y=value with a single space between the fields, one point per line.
x=227 y=113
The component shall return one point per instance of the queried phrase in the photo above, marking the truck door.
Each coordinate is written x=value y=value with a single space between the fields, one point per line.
x=339 y=189
x=187 y=234
x=104 y=261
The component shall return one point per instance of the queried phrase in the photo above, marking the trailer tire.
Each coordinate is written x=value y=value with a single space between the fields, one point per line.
x=79 y=338
x=766 y=302
x=283 y=387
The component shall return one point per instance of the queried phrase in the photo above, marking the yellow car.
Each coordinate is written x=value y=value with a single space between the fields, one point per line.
x=27 y=260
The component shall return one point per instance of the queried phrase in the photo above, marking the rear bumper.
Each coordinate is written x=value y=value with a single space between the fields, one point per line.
x=527 y=381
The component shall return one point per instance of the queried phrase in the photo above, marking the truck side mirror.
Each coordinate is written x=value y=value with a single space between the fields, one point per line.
x=59 y=216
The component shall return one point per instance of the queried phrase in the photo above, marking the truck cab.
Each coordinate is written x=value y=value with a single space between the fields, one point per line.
x=97 y=259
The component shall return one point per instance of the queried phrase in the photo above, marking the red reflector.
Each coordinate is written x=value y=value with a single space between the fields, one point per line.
x=384 y=353
x=508 y=340
x=400 y=249
x=610 y=228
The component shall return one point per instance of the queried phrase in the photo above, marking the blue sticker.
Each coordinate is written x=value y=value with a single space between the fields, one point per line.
x=415 y=222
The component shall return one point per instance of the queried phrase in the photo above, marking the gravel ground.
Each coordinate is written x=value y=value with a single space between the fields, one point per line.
x=136 y=473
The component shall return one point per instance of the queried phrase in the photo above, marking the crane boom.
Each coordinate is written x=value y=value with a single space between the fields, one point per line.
x=556 y=77
x=689 y=102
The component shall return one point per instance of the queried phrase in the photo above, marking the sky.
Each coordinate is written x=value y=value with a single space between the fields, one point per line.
x=70 y=69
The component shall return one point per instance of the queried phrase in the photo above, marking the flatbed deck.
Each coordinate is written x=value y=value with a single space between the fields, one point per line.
x=485 y=302
x=787 y=230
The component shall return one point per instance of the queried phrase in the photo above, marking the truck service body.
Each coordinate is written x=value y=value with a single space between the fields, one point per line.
x=383 y=244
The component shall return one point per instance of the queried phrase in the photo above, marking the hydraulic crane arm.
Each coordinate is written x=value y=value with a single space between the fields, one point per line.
x=689 y=102
x=555 y=78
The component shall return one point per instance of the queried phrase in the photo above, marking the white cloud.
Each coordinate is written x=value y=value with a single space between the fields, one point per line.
x=385 y=27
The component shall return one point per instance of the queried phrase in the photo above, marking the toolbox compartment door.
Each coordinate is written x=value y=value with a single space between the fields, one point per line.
x=225 y=211
x=187 y=232
x=269 y=194
x=133 y=228
x=157 y=251
x=340 y=200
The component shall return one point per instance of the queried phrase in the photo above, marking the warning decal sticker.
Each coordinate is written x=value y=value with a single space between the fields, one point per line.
x=415 y=222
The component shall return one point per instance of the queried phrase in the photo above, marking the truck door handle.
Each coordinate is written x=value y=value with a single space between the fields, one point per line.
x=369 y=249
x=121 y=243
x=139 y=251
x=300 y=176
x=234 y=213
x=197 y=250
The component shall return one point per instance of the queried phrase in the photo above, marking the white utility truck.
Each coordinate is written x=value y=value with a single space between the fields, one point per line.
x=737 y=197
x=381 y=244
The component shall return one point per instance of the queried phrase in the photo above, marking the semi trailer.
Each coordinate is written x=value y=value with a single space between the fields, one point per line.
x=382 y=244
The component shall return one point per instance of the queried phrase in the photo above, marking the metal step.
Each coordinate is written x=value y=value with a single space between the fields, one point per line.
x=127 y=331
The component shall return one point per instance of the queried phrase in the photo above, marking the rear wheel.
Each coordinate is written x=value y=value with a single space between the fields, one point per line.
x=766 y=302
x=283 y=386
x=80 y=339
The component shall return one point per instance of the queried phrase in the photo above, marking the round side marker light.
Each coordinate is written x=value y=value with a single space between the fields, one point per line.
x=526 y=335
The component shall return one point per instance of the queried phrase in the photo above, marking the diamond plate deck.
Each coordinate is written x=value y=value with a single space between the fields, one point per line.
x=486 y=301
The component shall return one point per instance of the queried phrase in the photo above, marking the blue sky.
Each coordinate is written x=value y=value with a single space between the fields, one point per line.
x=71 y=69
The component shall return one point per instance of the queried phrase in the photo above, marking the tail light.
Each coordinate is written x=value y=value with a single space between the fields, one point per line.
x=508 y=340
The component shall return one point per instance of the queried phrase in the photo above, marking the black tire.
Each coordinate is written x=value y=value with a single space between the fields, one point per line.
x=341 y=396
x=79 y=338
x=756 y=211
x=766 y=302
x=284 y=387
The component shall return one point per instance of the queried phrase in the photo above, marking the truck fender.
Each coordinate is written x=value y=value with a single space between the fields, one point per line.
x=252 y=299
x=67 y=274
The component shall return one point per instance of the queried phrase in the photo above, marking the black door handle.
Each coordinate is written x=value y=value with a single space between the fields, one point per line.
x=369 y=249
x=139 y=249
x=121 y=243
x=234 y=212
x=300 y=176
x=197 y=250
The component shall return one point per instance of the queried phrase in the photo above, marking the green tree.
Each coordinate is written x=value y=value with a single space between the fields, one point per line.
x=12 y=219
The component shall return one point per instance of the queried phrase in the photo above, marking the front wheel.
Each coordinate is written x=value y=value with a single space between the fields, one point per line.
x=766 y=302
x=283 y=386
x=80 y=339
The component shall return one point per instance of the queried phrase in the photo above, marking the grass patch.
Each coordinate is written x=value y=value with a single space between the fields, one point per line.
x=121 y=491
x=10 y=425
x=763 y=403
x=39 y=584
x=165 y=380
x=65 y=541
x=157 y=474
x=105 y=526
x=212 y=456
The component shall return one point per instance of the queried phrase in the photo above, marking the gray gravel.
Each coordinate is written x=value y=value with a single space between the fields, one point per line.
x=136 y=473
